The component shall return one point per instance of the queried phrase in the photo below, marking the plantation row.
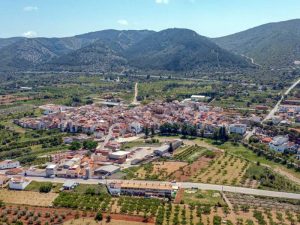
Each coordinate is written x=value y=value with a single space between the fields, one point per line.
x=186 y=153
x=83 y=202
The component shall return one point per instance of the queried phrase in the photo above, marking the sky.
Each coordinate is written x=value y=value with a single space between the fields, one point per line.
x=212 y=18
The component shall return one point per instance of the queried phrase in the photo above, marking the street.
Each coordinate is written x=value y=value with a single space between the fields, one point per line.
x=202 y=186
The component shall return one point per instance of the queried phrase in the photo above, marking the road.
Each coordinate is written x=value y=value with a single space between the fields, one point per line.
x=136 y=91
x=108 y=136
x=275 y=109
x=202 y=186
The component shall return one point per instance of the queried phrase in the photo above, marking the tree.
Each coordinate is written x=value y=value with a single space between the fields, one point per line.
x=99 y=216
x=75 y=145
x=108 y=218
x=90 y=145
x=146 y=130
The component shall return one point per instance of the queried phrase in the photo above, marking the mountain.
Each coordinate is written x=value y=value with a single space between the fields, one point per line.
x=113 y=50
x=180 y=50
x=94 y=57
x=273 y=44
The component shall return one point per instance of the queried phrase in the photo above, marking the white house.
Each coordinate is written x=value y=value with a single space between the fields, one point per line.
x=18 y=183
x=238 y=128
x=9 y=164
x=279 y=143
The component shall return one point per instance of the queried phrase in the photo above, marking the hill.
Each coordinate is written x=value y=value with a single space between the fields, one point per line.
x=180 y=50
x=273 y=44
x=112 y=50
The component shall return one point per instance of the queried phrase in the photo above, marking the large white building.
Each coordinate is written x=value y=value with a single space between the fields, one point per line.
x=9 y=164
x=238 y=128
x=279 y=143
x=18 y=183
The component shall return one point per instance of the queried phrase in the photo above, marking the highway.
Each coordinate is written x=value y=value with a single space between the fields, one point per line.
x=202 y=186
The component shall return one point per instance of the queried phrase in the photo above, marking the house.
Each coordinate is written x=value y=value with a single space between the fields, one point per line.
x=3 y=180
x=279 y=143
x=18 y=183
x=69 y=185
x=238 y=129
x=51 y=170
x=9 y=164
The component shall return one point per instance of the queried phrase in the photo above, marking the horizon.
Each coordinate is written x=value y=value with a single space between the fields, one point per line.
x=216 y=18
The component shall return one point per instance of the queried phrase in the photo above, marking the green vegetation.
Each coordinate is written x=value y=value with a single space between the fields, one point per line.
x=271 y=180
x=202 y=197
x=94 y=202
x=144 y=205
x=191 y=153
x=43 y=187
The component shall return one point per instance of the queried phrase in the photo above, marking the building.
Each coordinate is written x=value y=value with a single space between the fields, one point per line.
x=199 y=98
x=162 y=150
x=279 y=143
x=3 y=180
x=118 y=155
x=238 y=128
x=51 y=170
x=18 y=183
x=106 y=170
x=9 y=164
x=69 y=185
x=136 y=188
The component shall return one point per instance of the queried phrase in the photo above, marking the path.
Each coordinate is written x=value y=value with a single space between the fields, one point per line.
x=136 y=91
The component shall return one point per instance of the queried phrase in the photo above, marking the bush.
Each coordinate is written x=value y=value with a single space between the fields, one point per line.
x=45 y=188
x=99 y=216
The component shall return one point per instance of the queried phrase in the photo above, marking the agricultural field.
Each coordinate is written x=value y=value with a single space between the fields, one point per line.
x=226 y=169
x=189 y=153
x=15 y=214
x=202 y=197
x=118 y=221
x=159 y=170
x=27 y=197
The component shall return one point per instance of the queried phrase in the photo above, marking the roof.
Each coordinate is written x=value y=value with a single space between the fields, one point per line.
x=51 y=166
x=108 y=168
x=146 y=185
x=120 y=153
x=69 y=183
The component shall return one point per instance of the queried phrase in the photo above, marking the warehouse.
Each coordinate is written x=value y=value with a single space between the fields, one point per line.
x=106 y=170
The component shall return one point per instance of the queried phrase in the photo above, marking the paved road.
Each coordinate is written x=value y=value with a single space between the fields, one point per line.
x=241 y=190
x=275 y=109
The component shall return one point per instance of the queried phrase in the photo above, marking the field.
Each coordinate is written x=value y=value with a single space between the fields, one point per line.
x=89 y=221
x=159 y=170
x=226 y=169
x=203 y=197
x=27 y=198
x=189 y=153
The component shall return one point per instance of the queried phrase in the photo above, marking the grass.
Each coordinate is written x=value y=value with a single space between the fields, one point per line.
x=35 y=186
x=82 y=188
x=203 y=197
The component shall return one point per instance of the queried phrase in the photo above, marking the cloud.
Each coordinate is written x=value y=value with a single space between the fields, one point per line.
x=30 y=8
x=123 y=22
x=162 y=1
x=29 y=34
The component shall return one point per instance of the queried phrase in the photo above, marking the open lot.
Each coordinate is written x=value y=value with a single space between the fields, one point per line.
x=27 y=197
